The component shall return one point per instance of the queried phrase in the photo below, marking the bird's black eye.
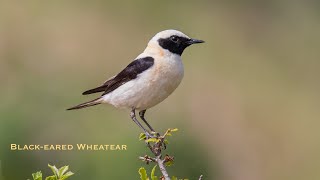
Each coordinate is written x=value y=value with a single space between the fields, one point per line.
x=174 y=38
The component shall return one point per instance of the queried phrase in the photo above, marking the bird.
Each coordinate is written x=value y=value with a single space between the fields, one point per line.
x=148 y=79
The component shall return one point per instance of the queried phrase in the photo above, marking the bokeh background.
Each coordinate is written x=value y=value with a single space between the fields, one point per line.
x=247 y=109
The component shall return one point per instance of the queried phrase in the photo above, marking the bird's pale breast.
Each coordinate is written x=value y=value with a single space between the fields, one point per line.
x=150 y=87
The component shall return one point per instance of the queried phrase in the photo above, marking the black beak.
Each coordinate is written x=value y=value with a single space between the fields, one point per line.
x=194 y=41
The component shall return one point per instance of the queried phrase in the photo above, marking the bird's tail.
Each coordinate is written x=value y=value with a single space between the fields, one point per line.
x=87 y=104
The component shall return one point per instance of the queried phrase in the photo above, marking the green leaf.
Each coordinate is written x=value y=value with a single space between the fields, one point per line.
x=169 y=163
x=153 y=177
x=174 y=178
x=143 y=174
x=62 y=170
x=51 y=178
x=142 y=136
x=37 y=175
x=169 y=134
x=166 y=141
x=151 y=140
x=54 y=170
x=68 y=174
x=174 y=130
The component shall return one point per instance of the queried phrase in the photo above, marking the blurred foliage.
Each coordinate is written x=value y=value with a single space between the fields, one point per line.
x=58 y=174
x=144 y=176
x=248 y=107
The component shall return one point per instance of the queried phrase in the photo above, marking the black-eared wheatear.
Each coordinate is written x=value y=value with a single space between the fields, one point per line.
x=147 y=80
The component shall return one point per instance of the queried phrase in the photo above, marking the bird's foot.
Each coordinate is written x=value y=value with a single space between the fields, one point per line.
x=155 y=134
x=148 y=135
x=152 y=135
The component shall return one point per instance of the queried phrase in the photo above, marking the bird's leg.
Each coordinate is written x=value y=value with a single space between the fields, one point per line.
x=141 y=114
x=133 y=117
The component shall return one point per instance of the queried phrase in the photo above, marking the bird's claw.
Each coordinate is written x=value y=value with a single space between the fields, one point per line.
x=152 y=134
x=155 y=134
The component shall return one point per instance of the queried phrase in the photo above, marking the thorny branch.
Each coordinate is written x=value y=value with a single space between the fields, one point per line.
x=156 y=145
x=162 y=168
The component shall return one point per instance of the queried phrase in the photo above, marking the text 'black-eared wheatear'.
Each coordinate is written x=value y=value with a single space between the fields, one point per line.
x=147 y=80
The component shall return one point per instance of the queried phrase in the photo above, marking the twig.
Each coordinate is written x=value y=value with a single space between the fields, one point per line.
x=147 y=159
x=157 y=152
x=162 y=167
x=156 y=146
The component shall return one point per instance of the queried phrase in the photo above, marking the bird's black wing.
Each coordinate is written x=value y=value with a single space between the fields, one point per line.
x=130 y=72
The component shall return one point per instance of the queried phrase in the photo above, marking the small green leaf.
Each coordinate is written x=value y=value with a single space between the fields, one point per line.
x=37 y=175
x=166 y=141
x=62 y=170
x=174 y=178
x=169 y=163
x=169 y=134
x=174 y=130
x=54 y=170
x=142 y=136
x=153 y=177
x=53 y=177
x=151 y=140
x=68 y=174
x=143 y=174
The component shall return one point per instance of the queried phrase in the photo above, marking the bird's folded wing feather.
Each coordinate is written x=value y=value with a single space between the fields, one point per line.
x=135 y=68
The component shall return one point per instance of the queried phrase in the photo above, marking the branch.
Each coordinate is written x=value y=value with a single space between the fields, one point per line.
x=147 y=159
x=161 y=163
x=162 y=167
x=156 y=145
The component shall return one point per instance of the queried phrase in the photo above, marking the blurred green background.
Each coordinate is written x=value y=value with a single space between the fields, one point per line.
x=247 y=109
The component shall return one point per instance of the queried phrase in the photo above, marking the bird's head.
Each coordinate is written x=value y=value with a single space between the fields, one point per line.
x=172 y=40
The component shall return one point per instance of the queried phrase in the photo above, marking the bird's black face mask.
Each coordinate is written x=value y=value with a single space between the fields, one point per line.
x=177 y=44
